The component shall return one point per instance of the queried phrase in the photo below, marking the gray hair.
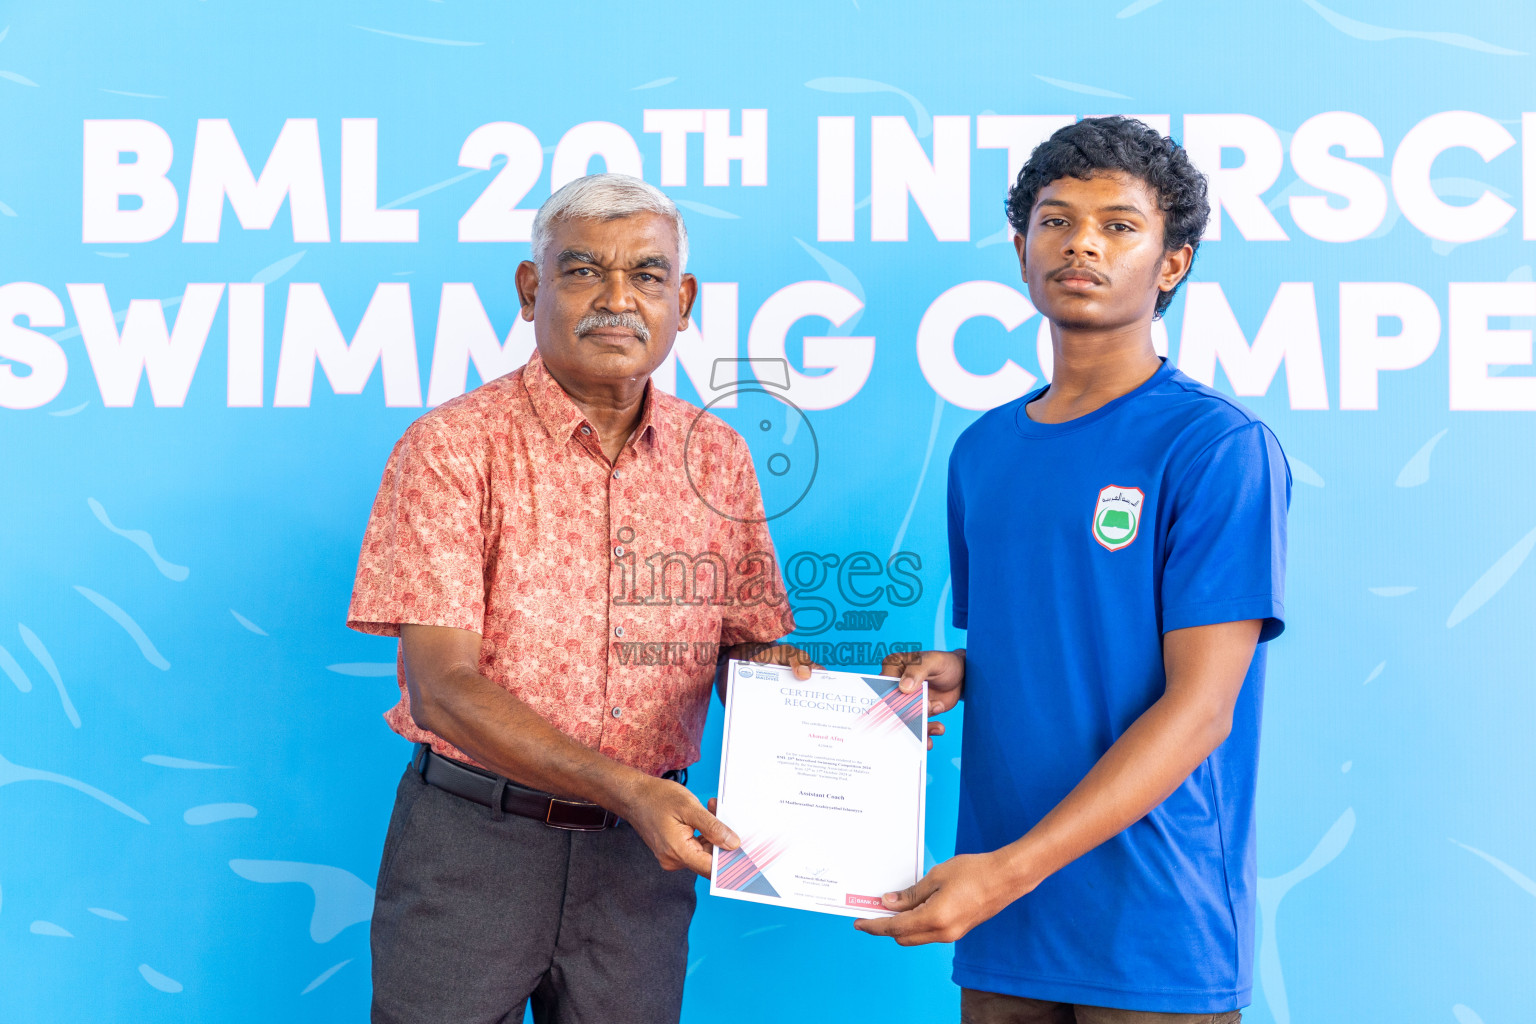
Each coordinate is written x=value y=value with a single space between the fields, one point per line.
x=606 y=197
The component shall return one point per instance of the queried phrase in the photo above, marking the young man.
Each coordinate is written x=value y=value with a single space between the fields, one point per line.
x=1117 y=542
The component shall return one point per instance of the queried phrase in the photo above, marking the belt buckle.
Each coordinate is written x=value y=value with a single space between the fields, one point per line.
x=569 y=821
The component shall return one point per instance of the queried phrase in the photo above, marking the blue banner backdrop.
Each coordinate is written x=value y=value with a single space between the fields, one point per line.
x=243 y=245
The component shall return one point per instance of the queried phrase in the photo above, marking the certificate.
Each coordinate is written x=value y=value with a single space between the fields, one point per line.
x=824 y=782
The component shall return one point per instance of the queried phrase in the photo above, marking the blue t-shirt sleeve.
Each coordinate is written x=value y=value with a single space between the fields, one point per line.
x=959 y=554
x=1225 y=554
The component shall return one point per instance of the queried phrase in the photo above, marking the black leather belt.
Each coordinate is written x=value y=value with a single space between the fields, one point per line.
x=480 y=786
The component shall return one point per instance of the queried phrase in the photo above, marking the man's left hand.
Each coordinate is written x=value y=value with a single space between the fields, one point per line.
x=775 y=654
x=947 y=902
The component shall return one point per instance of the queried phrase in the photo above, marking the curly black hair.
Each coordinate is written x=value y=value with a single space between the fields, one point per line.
x=1100 y=145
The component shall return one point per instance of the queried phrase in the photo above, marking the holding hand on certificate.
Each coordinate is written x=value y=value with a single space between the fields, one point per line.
x=823 y=779
x=942 y=671
x=964 y=891
x=1204 y=665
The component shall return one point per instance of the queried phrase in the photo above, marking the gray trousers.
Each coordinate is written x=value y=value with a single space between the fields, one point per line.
x=476 y=913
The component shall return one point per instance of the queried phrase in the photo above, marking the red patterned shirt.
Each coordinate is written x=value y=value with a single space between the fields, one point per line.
x=601 y=591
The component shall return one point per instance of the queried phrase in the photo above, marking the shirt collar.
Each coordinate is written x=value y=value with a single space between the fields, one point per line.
x=563 y=419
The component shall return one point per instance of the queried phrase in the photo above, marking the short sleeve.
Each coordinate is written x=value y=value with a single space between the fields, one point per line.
x=761 y=612
x=1225 y=554
x=422 y=561
x=959 y=553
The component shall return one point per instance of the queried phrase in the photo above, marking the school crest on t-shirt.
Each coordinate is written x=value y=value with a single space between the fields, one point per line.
x=1117 y=516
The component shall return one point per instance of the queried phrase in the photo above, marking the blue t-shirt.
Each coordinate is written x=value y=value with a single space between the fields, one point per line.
x=1074 y=546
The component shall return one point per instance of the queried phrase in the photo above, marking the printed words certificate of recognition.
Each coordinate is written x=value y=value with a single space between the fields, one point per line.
x=824 y=781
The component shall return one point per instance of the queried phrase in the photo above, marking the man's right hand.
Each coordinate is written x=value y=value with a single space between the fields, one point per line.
x=667 y=815
x=944 y=672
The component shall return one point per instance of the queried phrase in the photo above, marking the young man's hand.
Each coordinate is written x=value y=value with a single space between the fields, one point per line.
x=666 y=815
x=944 y=672
x=947 y=902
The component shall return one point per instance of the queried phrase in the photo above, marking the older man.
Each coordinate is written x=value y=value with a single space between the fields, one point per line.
x=542 y=845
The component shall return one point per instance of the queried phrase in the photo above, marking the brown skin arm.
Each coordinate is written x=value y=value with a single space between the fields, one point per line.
x=1205 y=667
x=450 y=698
x=762 y=654
x=944 y=672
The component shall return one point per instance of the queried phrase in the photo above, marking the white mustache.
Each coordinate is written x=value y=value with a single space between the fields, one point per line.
x=628 y=321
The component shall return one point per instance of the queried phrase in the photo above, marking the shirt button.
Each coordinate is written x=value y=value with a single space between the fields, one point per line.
x=617 y=712
x=586 y=429
x=615 y=474
x=619 y=550
x=618 y=630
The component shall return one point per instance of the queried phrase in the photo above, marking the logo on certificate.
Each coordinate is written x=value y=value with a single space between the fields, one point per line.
x=1117 y=516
